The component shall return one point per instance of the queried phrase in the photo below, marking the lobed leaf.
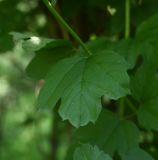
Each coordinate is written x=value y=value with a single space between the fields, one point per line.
x=144 y=87
x=137 y=154
x=110 y=134
x=47 y=56
x=88 y=152
x=147 y=39
x=80 y=82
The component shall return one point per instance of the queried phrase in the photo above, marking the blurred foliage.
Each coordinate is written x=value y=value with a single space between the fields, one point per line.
x=25 y=132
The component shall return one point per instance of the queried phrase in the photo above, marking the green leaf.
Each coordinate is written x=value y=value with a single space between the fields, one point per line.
x=47 y=56
x=148 y=29
x=148 y=114
x=136 y=154
x=149 y=52
x=48 y=52
x=45 y=59
x=147 y=39
x=88 y=152
x=126 y=48
x=144 y=87
x=32 y=43
x=20 y=36
x=80 y=82
x=140 y=88
x=110 y=134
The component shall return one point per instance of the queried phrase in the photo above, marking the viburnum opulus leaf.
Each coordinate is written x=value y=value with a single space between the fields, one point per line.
x=136 y=154
x=88 y=152
x=148 y=29
x=127 y=48
x=32 y=43
x=111 y=134
x=146 y=39
x=47 y=52
x=81 y=81
x=47 y=56
x=144 y=87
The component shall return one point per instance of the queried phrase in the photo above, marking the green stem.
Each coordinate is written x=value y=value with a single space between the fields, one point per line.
x=127 y=19
x=66 y=26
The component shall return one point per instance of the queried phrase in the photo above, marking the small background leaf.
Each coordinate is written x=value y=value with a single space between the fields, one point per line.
x=110 y=134
x=144 y=87
x=88 y=152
